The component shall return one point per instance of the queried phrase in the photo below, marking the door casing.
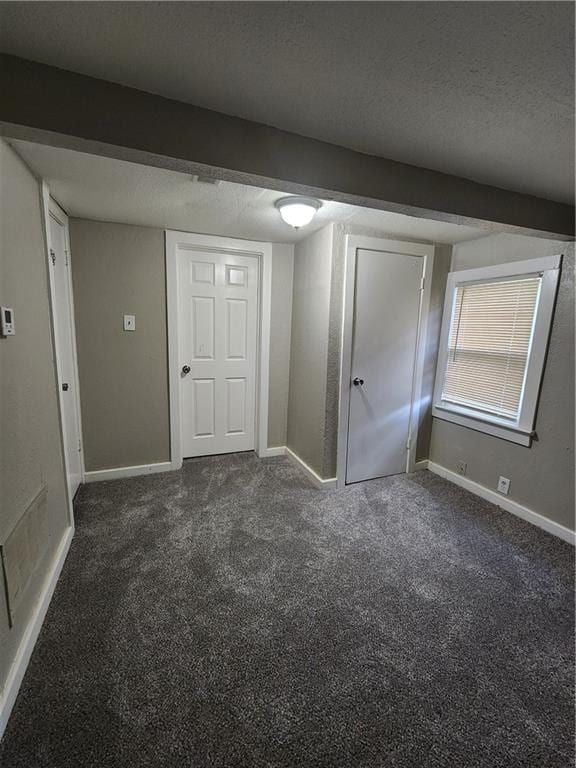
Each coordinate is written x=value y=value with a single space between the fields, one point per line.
x=217 y=244
x=426 y=252
x=51 y=208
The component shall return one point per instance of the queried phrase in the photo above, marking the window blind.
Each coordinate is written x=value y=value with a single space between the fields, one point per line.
x=490 y=334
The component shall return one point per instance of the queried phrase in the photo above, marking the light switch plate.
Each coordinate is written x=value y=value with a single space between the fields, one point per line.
x=7 y=321
x=129 y=322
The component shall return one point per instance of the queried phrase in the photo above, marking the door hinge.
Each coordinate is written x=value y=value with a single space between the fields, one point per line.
x=79 y=446
x=66 y=257
x=53 y=257
x=422 y=283
x=409 y=443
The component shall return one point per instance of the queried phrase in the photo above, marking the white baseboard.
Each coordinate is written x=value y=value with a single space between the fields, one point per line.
x=24 y=652
x=420 y=465
x=316 y=479
x=267 y=453
x=507 y=504
x=119 y=472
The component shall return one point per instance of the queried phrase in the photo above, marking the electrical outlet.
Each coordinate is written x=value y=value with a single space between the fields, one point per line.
x=503 y=485
x=461 y=467
x=129 y=322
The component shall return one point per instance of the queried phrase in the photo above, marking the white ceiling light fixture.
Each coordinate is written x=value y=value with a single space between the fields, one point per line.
x=298 y=211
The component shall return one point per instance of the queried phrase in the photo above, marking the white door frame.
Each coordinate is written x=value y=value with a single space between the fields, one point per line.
x=51 y=208
x=352 y=244
x=217 y=244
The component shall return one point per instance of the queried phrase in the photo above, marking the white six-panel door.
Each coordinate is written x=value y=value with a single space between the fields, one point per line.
x=385 y=332
x=217 y=320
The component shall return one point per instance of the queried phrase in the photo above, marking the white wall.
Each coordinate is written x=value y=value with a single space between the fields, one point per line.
x=542 y=476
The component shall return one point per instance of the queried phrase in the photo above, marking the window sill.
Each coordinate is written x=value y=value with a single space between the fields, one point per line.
x=494 y=427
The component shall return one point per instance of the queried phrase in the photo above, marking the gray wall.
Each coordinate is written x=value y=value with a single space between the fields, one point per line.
x=442 y=258
x=280 y=328
x=30 y=441
x=309 y=347
x=317 y=318
x=119 y=269
x=542 y=476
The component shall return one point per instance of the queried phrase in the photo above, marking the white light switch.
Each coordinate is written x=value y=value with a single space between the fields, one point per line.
x=129 y=322
x=7 y=321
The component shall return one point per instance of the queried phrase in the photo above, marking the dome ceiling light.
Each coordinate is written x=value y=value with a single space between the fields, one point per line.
x=298 y=211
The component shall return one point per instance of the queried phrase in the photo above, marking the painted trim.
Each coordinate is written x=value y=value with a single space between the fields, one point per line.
x=173 y=354
x=119 y=472
x=218 y=244
x=267 y=453
x=265 y=321
x=416 y=406
x=24 y=652
x=477 y=423
x=351 y=245
x=505 y=503
x=309 y=472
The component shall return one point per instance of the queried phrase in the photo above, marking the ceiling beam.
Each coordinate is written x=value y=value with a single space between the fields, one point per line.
x=53 y=106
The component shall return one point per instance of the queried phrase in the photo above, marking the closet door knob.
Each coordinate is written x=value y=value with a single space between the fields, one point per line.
x=185 y=369
x=357 y=382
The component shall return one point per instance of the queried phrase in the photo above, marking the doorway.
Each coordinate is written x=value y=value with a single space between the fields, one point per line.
x=387 y=294
x=59 y=266
x=219 y=338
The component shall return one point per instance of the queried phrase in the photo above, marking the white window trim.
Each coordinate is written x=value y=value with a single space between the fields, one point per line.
x=522 y=430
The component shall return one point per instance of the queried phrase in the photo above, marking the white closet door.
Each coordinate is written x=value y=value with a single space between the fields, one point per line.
x=386 y=305
x=218 y=315
x=64 y=338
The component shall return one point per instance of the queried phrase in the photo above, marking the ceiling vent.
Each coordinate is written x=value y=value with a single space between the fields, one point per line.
x=205 y=180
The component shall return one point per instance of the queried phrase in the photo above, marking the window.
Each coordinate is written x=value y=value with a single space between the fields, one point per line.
x=493 y=346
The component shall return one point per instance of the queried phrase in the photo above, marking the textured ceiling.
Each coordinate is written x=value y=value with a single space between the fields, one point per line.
x=483 y=90
x=113 y=190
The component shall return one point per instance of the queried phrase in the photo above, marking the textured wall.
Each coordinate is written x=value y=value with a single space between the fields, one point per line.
x=30 y=443
x=309 y=347
x=120 y=269
x=280 y=328
x=149 y=129
x=442 y=257
x=117 y=270
x=542 y=476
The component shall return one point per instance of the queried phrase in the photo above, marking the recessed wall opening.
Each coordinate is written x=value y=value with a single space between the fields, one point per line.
x=238 y=316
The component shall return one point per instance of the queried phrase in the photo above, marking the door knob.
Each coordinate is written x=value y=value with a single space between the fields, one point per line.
x=185 y=369
x=357 y=382
x=65 y=387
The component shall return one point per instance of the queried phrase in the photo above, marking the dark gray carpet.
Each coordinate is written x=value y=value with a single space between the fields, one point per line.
x=232 y=615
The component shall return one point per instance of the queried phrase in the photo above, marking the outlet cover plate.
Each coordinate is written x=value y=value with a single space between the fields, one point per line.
x=503 y=485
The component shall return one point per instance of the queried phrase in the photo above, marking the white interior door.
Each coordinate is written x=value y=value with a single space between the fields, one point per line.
x=62 y=309
x=217 y=318
x=386 y=309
